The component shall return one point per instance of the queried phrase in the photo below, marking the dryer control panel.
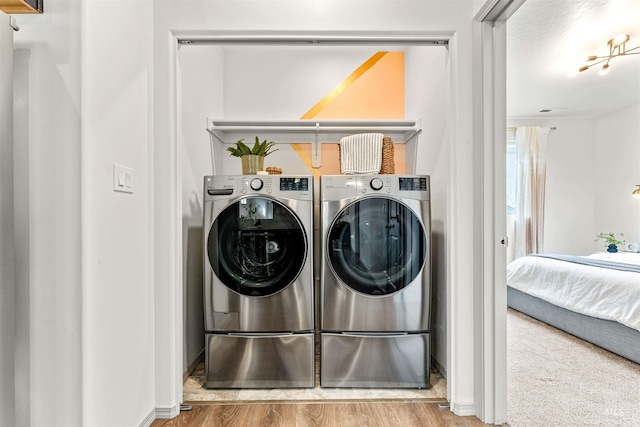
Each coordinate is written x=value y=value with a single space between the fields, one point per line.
x=294 y=184
x=336 y=187
x=412 y=184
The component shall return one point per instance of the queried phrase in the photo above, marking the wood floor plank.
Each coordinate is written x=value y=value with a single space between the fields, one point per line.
x=347 y=414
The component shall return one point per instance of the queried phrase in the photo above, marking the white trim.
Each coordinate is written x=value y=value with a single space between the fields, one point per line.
x=176 y=220
x=498 y=10
x=150 y=418
x=151 y=227
x=451 y=229
x=463 y=409
x=455 y=330
x=168 y=253
x=498 y=304
x=167 y=413
x=490 y=297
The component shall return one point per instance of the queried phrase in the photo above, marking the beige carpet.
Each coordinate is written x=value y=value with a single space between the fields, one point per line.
x=556 y=379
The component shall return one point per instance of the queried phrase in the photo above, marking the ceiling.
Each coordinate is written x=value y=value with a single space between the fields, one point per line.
x=547 y=38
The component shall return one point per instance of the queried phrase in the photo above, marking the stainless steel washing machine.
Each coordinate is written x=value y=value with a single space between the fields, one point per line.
x=258 y=281
x=375 y=276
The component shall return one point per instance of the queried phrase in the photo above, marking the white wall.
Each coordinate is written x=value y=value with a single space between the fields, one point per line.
x=84 y=331
x=281 y=82
x=616 y=169
x=201 y=96
x=117 y=116
x=427 y=92
x=48 y=216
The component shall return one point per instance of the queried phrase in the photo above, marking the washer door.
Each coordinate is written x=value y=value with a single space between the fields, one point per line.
x=376 y=246
x=257 y=246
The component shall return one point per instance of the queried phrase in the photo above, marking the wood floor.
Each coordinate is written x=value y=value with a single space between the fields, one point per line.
x=302 y=414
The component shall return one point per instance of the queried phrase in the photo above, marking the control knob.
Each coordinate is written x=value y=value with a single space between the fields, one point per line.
x=256 y=184
x=376 y=184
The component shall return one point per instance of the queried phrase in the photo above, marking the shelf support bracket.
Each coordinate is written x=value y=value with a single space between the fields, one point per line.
x=316 y=153
x=413 y=135
x=214 y=134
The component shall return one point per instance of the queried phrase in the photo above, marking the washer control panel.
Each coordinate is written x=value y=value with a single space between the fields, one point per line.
x=275 y=184
x=299 y=187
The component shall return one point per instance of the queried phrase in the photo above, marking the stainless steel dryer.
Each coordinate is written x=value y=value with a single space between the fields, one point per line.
x=375 y=281
x=258 y=281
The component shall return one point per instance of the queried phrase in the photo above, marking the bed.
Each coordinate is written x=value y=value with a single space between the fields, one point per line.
x=595 y=297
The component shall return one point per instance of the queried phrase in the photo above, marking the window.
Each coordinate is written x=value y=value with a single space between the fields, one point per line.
x=511 y=171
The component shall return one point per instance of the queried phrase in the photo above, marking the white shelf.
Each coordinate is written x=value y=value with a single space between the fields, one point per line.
x=309 y=131
x=314 y=132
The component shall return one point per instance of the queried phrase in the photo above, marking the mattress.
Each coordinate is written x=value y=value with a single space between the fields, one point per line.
x=603 y=293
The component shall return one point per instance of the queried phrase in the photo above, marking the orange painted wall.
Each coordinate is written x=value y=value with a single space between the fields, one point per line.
x=375 y=90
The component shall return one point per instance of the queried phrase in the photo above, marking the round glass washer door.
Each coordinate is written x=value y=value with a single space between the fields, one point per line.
x=257 y=246
x=376 y=246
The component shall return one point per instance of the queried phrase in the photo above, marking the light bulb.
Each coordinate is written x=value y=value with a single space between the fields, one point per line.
x=636 y=192
x=620 y=39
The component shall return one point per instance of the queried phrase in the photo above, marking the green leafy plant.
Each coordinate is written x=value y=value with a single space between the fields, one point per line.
x=250 y=210
x=263 y=148
x=609 y=238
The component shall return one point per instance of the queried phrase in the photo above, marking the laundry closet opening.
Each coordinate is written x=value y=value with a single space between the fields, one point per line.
x=268 y=80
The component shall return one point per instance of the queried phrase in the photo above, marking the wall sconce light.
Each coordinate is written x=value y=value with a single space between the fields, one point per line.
x=636 y=192
x=617 y=47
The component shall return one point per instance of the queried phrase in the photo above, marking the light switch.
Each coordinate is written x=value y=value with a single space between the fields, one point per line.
x=122 y=179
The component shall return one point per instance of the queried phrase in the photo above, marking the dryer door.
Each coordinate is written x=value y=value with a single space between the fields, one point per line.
x=376 y=246
x=257 y=246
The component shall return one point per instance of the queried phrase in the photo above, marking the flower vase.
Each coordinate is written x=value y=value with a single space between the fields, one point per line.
x=251 y=164
x=612 y=248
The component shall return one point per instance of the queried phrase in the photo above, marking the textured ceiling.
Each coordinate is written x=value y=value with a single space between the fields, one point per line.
x=547 y=38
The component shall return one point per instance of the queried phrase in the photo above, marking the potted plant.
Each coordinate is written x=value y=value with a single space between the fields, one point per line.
x=611 y=241
x=252 y=158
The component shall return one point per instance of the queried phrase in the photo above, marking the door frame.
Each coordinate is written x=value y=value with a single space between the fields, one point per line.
x=490 y=299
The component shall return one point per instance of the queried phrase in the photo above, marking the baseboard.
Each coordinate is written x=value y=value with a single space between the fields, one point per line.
x=193 y=365
x=149 y=419
x=167 y=413
x=439 y=368
x=463 y=409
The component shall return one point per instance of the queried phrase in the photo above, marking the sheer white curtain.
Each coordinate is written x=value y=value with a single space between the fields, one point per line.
x=531 y=170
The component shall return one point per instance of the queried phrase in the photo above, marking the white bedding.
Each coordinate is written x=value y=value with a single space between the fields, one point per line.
x=594 y=291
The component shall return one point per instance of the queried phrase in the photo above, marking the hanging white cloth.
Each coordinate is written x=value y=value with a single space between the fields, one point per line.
x=361 y=153
x=531 y=170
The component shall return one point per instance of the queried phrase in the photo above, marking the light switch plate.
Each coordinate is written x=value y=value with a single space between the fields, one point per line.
x=122 y=179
